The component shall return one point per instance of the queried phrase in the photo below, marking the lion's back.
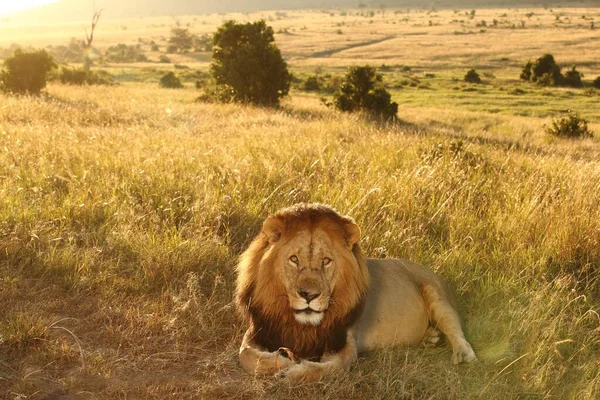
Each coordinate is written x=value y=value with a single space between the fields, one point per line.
x=395 y=311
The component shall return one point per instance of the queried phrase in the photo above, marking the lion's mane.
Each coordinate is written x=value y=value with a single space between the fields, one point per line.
x=262 y=299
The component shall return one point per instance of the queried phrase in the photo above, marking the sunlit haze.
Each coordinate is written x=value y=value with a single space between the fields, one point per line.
x=9 y=6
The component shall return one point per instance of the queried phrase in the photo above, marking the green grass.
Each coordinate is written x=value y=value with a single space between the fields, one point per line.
x=123 y=210
x=503 y=95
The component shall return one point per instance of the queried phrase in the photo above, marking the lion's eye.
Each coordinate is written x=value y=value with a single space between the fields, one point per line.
x=294 y=260
x=326 y=261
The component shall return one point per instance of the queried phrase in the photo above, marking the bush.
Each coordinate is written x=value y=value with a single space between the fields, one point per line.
x=472 y=76
x=544 y=71
x=362 y=90
x=26 y=72
x=311 y=84
x=170 y=81
x=526 y=71
x=570 y=126
x=203 y=43
x=81 y=76
x=123 y=53
x=573 y=78
x=550 y=79
x=74 y=52
x=181 y=40
x=247 y=66
x=596 y=83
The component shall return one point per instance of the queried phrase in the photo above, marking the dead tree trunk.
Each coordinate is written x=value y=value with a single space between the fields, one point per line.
x=89 y=38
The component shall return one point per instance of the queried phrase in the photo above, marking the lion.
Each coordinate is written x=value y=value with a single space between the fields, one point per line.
x=313 y=302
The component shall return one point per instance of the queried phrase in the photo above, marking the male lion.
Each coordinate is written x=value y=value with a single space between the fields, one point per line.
x=313 y=302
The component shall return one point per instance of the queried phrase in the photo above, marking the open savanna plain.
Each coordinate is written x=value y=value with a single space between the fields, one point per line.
x=123 y=208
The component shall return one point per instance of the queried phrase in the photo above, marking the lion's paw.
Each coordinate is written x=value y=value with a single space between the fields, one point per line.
x=272 y=365
x=432 y=337
x=303 y=372
x=463 y=353
x=287 y=353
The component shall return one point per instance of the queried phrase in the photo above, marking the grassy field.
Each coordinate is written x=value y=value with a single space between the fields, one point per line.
x=123 y=210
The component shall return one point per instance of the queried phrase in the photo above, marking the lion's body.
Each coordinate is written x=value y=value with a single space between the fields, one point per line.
x=313 y=302
x=395 y=312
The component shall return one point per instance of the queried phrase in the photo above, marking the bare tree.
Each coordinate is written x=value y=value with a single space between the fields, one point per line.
x=89 y=36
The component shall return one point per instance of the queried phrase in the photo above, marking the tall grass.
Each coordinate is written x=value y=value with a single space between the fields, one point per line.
x=123 y=209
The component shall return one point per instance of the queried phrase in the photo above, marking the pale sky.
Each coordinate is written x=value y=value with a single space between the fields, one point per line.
x=8 y=6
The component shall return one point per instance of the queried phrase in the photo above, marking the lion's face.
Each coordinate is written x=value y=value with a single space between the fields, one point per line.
x=309 y=270
x=304 y=270
x=308 y=260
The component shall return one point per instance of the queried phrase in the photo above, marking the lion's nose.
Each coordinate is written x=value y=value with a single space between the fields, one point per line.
x=308 y=295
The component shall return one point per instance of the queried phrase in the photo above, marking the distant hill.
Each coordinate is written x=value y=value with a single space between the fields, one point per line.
x=81 y=10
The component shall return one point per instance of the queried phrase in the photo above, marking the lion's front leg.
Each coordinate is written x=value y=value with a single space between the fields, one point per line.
x=308 y=371
x=256 y=361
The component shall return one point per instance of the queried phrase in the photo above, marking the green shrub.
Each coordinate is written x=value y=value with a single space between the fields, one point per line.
x=596 y=83
x=247 y=66
x=164 y=59
x=573 y=78
x=549 y=79
x=26 y=72
x=203 y=43
x=170 y=81
x=526 y=71
x=181 y=39
x=74 y=52
x=472 y=76
x=122 y=53
x=570 y=126
x=546 y=71
x=311 y=84
x=362 y=90
x=81 y=76
x=73 y=76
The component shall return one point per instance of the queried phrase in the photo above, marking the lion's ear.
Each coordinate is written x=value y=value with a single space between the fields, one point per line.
x=272 y=227
x=353 y=232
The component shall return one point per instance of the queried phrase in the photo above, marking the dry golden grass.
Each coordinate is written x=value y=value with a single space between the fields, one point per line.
x=123 y=210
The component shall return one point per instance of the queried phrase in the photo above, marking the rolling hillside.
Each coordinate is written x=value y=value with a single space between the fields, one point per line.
x=77 y=10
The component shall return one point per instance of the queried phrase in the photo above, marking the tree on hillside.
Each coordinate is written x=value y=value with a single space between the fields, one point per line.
x=181 y=39
x=26 y=72
x=247 y=66
x=203 y=43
